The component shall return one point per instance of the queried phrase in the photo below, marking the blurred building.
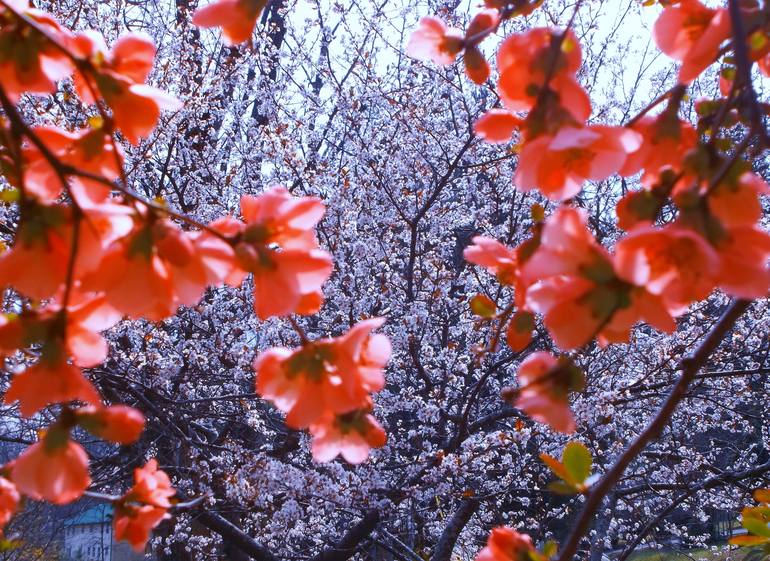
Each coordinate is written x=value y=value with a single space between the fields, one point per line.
x=88 y=537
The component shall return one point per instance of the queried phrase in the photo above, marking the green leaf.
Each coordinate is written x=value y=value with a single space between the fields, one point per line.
x=523 y=321
x=577 y=460
x=483 y=307
x=748 y=540
x=756 y=526
x=550 y=548
x=537 y=212
x=8 y=545
x=10 y=195
x=562 y=488
x=555 y=465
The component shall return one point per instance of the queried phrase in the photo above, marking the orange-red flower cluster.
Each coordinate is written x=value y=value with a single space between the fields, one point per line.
x=276 y=242
x=117 y=76
x=434 y=41
x=506 y=544
x=543 y=393
x=144 y=506
x=237 y=18
x=36 y=52
x=692 y=33
x=559 y=151
x=9 y=502
x=95 y=253
x=325 y=386
x=582 y=291
x=30 y=63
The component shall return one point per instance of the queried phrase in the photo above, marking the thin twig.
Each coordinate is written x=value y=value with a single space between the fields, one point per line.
x=689 y=367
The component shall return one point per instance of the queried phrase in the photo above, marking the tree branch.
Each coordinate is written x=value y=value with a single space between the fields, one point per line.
x=235 y=536
x=689 y=367
x=346 y=547
x=446 y=543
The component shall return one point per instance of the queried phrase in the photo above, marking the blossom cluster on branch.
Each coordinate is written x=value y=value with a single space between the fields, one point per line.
x=90 y=251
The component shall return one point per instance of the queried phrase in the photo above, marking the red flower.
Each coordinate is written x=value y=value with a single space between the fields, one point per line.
x=37 y=263
x=672 y=262
x=45 y=383
x=143 y=506
x=506 y=544
x=497 y=126
x=351 y=434
x=736 y=203
x=525 y=61
x=482 y=24
x=152 y=486
x=134 y=278
x=117 y=423
x=559 y=165
x=9 y=502
x=744 y=252
x=73 y=334
x=29 y=62
x=691 y=33
x=52 y=471
x=134 y=524
x=577 y=290
x=279 y=247
x=436 y=42
x=544 y=386
x=158 y=267
x=503 y=262
x=237 y=18
x=88 y=150
x=665 y=140
x=495 y=257
x=328 y=376
x=119 y=78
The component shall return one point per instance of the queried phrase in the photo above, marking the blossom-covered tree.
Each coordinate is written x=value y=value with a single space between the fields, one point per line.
x=316 y=289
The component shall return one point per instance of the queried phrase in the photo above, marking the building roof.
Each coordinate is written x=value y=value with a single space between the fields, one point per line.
x=101 y=514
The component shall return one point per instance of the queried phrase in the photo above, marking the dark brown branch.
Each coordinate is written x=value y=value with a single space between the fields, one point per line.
x=689 y=368
x=235 y=536
x=687 y=491
x=704 y=376
x=743 y=67
x=651 y=524
x=446 y=543
x=346 y=547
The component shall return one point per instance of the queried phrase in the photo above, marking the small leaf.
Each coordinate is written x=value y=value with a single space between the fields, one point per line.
x=483 y=307
x=577 y=460
x=10 y=195
x=568 y=45
x=762 y=495
x=748 y=540
x=9 y=545
x=756 y=526
x=550 y=548
x=562 y=488
x=757 y=40
x=537 y=212
x=554 y=465
x=95 y=122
